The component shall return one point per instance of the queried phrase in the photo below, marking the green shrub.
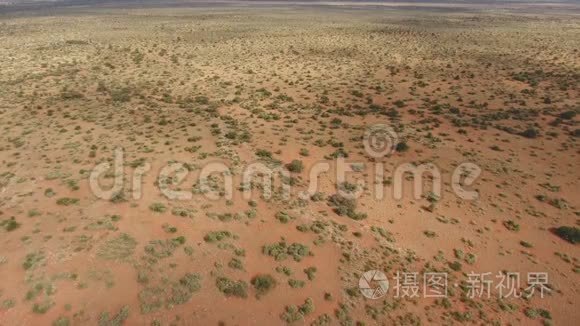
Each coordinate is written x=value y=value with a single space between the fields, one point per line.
x=232 y=288
x=49 y=192
x=281 y=251
x=283 y=217
x=122 y=94
x=345 y=206
x=511 y=225
x=531 y=313
x=317 y=196
x=264 y=154
x=295 y=166
x=117 y=320
x=402 y=147
x=118 y=248
x=158 y=207
x=284 y=270
x=307 y=308
x=293 y=314
x=429 y=234
x=310 y=272
x=163 y=248
x=10 y=224
x=530 y=133
x=65 y=201
x=172 y=293
x=235 y=263
x=61 y=321
x=42 y=307
x=263 y=283
x=341 y=205
x=215 y=236
x=296 y=283
x=32 y=260
x=118 y=197
x=71 y=95
x=348 y=187
x=204 y=100
x=456 y=266
x=526 y=244
x=567 y=115
x=569 y=233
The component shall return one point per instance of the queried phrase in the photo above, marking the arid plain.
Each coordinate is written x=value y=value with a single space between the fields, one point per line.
x=287 y=86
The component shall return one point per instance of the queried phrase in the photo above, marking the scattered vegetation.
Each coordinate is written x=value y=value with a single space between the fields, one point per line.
x=281 y=251
x=345 y=206
x=232 y=288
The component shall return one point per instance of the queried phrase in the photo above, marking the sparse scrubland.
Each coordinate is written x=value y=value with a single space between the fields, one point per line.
x=287 y=87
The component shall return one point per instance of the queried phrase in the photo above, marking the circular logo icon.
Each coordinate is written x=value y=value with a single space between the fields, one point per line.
x=380 y=140
x=373 y=284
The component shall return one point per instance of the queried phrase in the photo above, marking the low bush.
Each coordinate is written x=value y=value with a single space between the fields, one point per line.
x=295 y=166
x=65 y=201
x=10 y=224
x=569 y=233
x=281 y=251
x=263 y=283
x=530 y=133
x=345 y=206
x=215 y=236
x=232 y=288
x=158 y=207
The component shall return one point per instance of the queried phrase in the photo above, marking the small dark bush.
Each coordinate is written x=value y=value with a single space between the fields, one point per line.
x=262 y=153
x=295 y=166
x=296 y=284
x=530 y=133
x=217 y=236
x=569 y=233
x=263 y=283
x=10 y=225
x=511 y=225
x=65 y=201
x=456 y=266
x=281 y=251
x=232 y=288
x=567 y=115
x=402 y=147
x=345 y=206
x=202 y=100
